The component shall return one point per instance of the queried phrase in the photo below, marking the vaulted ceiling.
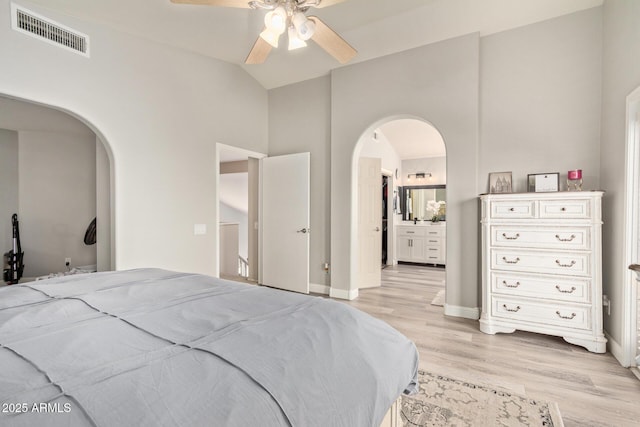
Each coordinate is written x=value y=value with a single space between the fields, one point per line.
x=373 y=27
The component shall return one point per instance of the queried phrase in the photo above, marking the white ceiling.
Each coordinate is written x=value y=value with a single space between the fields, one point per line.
x=374 y=27
x=413 y=139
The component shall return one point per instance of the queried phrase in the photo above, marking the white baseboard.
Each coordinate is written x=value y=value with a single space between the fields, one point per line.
x=616 y=350
x=465 y=312
x=319 y=289
x=343 y=293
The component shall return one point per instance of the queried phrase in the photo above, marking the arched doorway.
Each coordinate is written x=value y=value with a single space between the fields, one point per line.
x=64 y=168
x=403 y=158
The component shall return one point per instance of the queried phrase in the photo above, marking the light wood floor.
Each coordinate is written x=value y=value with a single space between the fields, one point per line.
x=591 y=389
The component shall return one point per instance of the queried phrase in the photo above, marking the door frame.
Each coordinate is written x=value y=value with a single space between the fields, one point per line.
x=241 y=153
x=632 y=229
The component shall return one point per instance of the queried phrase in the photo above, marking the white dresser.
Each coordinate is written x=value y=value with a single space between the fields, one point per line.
x=542 y=265
x=424 y=243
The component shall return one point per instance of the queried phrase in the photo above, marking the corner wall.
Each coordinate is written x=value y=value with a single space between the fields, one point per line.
x=621 y=75
x=161 y=111
x=438 y=83
x=8 y=189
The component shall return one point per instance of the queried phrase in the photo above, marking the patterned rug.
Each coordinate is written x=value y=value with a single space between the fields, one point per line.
x=444 y=401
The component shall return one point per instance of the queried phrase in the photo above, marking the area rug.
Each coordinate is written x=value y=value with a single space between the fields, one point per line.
x=445 y=401
x=439 y=299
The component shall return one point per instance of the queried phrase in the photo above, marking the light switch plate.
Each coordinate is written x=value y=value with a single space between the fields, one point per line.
x=199 y=229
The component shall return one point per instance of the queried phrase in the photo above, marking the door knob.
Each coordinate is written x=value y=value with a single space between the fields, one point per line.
x=377 y=228
x=304 y=231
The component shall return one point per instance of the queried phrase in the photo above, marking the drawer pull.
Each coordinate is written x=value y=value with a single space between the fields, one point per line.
x=510 y=237
x=512 y=209
x=573 y=236
x=410 y=232
x=504 y=282
x=565 y=265
x=512 y=310
x=563 y=209
x=515 y=261
x=433 y=241
x=566 y=317
x=570 y=291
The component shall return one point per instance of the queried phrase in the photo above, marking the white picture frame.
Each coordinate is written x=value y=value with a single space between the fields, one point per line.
x=544 y=182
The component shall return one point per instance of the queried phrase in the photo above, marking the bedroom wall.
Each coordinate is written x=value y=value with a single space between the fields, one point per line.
x=496 y=108
x=436 y=165
x=540 y=100
x=8 y=188
x=299 y=121
x=161 y=111
x=57 y=191
x=621 y=75
x=438 y=83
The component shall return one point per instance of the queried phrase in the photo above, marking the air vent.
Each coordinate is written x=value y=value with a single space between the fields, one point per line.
x=35 y=25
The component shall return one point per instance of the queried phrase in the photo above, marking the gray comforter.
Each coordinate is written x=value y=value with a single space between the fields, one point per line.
x=151 y=347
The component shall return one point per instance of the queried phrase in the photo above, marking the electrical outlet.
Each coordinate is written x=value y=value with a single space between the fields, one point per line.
x=67 y=261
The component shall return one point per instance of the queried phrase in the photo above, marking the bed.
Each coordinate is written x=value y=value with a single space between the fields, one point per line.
x=151 y=347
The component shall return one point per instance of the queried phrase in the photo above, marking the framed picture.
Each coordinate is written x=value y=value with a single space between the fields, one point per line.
x=543 y=182
x=500 y=182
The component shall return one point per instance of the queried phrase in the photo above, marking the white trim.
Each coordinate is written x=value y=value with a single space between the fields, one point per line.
x=350 y=294
x=472 y=313
x=614 y=348
x=628 y=349
x=319 y=289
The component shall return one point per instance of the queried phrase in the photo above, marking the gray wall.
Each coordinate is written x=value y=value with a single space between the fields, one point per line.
x=299 y=121
x=8 y=188
x=161 y=112
x=57 y=182
x=621 y=75
x=438 y=83
x=525 y=100
x=104 y=245
x=540 y=100
x=437 y=166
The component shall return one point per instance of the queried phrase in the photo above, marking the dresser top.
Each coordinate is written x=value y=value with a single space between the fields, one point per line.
x=545 y=195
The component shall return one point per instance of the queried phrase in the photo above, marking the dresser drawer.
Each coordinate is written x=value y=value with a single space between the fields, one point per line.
x=574 y=238
x=560 y=289
x=512 y=209
x=563 y=315
x=546 y=262
x=433 y=253
x=568 y=209
x=434 y=231
x=411 y=231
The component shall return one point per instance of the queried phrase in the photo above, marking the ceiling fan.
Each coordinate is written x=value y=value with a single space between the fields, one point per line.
x=289 y=16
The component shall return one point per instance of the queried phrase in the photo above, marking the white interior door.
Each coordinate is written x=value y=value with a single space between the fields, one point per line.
x=369 y=222
x=285 y=222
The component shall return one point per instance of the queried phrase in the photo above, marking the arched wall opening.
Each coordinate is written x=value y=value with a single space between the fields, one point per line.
x=57 y=139
x=392 y=156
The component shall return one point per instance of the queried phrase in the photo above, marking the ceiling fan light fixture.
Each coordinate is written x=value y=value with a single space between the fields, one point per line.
x=304 y=26
x=276 y=20
x=270 y=37
x=295 y=42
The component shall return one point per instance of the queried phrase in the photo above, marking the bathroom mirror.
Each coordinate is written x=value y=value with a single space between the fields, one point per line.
x=424 y=203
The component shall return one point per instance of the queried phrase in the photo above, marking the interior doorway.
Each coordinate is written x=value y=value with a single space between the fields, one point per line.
x=412 y=158
x=50 y=157
x=238 y=212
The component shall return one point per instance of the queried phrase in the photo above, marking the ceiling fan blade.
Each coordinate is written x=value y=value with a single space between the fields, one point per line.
x=327 y=3
x=259 y=52
x=222 y=3
x=330 y=41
